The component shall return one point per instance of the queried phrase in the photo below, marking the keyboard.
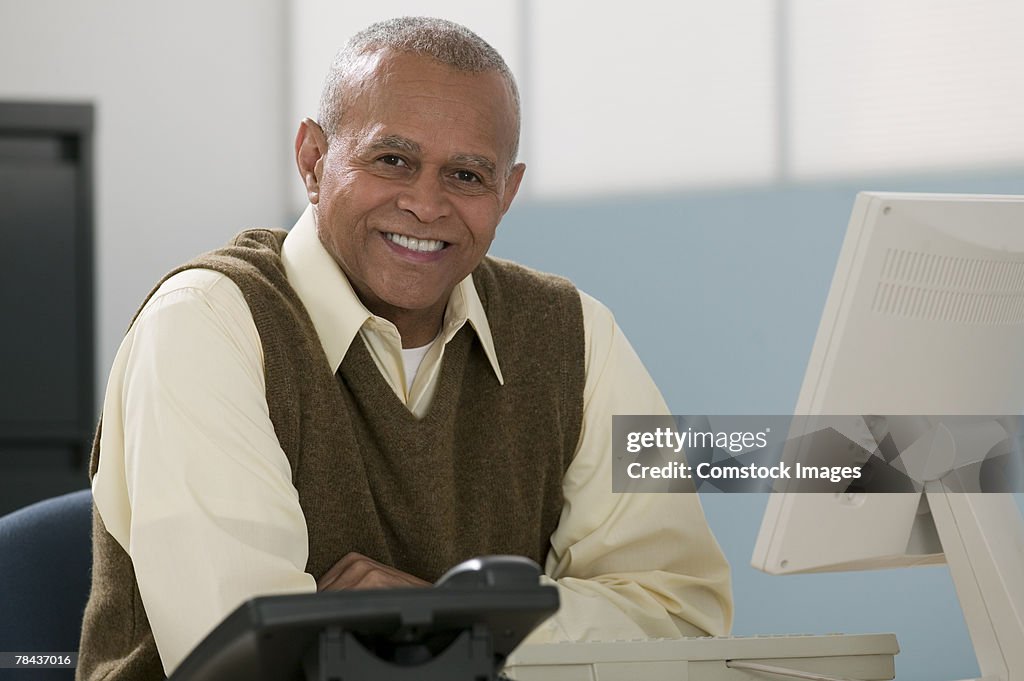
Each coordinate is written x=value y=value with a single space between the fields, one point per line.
x=833 y=657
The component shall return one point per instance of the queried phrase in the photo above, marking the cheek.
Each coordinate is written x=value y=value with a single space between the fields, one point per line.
x=481 y=218
x=483 y=226
x=337 y=226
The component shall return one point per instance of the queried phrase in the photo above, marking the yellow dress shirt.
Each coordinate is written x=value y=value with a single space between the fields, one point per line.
x=193 y=484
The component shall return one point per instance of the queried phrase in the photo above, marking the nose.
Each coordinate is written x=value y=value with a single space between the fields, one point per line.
x=425 y=198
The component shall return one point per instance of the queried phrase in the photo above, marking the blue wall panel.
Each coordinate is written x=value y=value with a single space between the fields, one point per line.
x=720 y=293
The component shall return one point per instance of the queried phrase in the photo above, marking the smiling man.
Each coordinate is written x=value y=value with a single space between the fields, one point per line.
x=367 y=400
x=411 y=180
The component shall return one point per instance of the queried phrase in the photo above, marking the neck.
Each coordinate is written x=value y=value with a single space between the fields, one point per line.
x=416 y=327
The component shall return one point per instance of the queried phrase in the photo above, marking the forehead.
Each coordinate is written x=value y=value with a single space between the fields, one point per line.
x=430 y=103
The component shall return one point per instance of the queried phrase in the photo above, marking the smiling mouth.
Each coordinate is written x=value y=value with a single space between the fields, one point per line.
x=418 y=245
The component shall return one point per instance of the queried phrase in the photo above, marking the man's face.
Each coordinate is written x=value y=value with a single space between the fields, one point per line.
x=414 y=181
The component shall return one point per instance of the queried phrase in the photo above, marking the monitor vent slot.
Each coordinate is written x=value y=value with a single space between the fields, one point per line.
x=943 y=288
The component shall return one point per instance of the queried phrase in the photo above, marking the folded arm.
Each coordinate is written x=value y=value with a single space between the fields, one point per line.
x=192 y=481
x=628 y=565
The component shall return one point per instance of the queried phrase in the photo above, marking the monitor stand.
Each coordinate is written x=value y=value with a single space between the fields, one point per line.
x=982 y=535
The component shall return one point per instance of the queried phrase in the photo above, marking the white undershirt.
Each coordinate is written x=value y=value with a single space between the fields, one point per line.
x=411 y=360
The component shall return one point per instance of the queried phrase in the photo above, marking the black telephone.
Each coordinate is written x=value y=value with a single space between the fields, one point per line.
x=464 y=627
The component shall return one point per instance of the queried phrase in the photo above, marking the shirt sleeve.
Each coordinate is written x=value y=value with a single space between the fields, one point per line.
x=192 y=481
x=628 y=565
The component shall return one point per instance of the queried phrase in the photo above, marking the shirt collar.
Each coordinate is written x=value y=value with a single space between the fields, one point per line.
x=338 y=314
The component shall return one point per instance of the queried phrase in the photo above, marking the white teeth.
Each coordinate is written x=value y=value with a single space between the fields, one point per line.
x=421 y=245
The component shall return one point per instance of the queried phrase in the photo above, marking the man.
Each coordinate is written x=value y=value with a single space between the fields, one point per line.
x=370 y=400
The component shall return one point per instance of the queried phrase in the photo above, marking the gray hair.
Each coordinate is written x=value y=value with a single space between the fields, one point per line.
x=449 y=43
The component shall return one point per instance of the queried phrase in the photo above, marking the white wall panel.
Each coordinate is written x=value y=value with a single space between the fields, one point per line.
x=189 y=116
x=650 y=96
x=320 y=27
x=881 y=86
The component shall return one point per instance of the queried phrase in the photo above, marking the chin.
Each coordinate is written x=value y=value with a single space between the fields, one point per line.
x=416 y=304
x=411 y=298
x=416 y=296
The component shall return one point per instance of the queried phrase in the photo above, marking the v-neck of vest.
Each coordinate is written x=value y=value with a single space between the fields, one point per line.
x=358 y=364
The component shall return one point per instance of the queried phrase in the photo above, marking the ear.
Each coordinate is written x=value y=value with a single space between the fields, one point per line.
x=515 y=176
x=310 y=149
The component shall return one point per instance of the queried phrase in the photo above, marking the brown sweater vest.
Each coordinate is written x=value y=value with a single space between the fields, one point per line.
x=481 y=473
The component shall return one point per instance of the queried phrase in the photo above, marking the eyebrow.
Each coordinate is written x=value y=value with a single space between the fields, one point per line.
x=395 y=143
x=399 y=143
x=481 y=163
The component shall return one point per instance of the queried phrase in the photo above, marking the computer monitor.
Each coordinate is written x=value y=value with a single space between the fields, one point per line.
x=925 y=317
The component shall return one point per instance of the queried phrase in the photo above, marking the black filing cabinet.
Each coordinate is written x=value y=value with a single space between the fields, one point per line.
x=47 y=374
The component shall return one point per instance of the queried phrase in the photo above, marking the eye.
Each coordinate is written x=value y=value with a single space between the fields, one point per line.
x=466 y=176
x=392 y=160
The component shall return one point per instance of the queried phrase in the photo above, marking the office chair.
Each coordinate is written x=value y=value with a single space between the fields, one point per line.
x=45 y=560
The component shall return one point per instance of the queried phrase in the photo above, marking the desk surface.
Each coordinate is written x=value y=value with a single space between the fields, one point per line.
x=839 y=656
